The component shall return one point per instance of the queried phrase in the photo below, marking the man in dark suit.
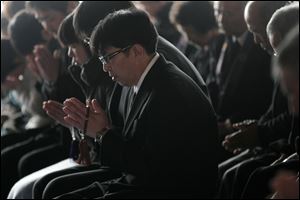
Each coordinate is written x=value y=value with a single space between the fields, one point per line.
x=240 y=84
x=242 y=72
x=162 y=150
x=272 y=130
x=89 y=13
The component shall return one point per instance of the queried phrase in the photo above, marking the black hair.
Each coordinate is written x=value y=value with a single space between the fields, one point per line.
x=60 y=6
x=8 y=56
x=197 y=14
x=67 y=35
x=25 y=32
x=123 y=28
x=66 y=32
x=89 y=13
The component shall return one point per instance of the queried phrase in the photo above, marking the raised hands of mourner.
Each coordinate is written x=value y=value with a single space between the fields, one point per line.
x=76 y=116
x=244 y=137
x=47 y=65
x=55 y=110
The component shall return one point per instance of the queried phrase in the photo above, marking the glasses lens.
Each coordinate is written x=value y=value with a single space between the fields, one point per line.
x=107 y=58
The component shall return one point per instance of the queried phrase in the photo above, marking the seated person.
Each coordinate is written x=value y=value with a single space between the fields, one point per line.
x=142 y=150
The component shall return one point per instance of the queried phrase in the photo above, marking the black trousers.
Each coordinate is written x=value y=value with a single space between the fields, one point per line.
x=41 y=158
x=31 y=154
x=14 y=138
x=105 y=190
x=235 y=178
x=40 y=185
x=11 y=156
x=70 y=182
x=262 y=176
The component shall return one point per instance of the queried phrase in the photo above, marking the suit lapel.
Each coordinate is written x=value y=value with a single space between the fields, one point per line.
x=117 y=105
x=237 y=68
x=143 y=96
x=138 y=106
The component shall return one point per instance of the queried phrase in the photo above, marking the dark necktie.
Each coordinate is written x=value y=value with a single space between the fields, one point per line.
x=131 y=98
x=230 y=54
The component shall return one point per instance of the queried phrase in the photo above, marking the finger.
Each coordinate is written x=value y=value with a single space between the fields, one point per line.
x=237 y=151
x=73 y=123
x=225 y=143
x=96 y=107
x=53 y=107
x=75 y=100
x=55 y=116
x=81 y=111
x=73 y=114
x=55 y=103
x=227 y=146
x=58 y=112
x=76 y=104
x=238 y=125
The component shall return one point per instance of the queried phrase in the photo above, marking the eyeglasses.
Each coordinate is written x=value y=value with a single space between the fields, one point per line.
x=106 y=59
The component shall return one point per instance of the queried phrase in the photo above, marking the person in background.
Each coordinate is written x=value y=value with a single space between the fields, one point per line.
x=273 y=130
x=197 y=21
x=155 y=100
x=20 y=82
x=57 y=84
x=86 y=16
x=159 y=14
x=282 y=178
x=278 y=29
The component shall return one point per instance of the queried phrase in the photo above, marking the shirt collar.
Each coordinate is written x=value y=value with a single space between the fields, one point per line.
x=149 y=66
x=242 y=39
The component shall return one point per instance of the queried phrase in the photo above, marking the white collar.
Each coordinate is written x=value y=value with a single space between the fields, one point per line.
x=141 y=80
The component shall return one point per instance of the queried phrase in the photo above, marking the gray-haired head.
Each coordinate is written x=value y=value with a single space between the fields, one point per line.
x=257 y=15
x=286 y=68
x=282 y=21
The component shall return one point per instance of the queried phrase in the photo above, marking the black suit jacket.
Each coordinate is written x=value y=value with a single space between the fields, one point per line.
x=172 y=54
x=168 y=142
x=245 y=89
x=276 y=123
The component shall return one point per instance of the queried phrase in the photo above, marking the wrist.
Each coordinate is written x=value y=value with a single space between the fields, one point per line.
x=99 y=134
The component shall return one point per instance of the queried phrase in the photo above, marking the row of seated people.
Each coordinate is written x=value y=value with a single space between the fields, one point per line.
x=138 y=152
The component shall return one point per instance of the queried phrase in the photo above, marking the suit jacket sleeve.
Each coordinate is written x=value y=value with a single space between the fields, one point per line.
x=174 y=143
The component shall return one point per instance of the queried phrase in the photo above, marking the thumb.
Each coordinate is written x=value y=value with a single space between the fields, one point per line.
x=96 y=107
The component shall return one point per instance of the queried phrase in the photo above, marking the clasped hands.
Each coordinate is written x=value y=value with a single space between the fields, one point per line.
x=72 y=113
x=245 y=136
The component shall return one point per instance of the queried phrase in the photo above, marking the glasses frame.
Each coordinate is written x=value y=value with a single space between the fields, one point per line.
x=106 y=59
